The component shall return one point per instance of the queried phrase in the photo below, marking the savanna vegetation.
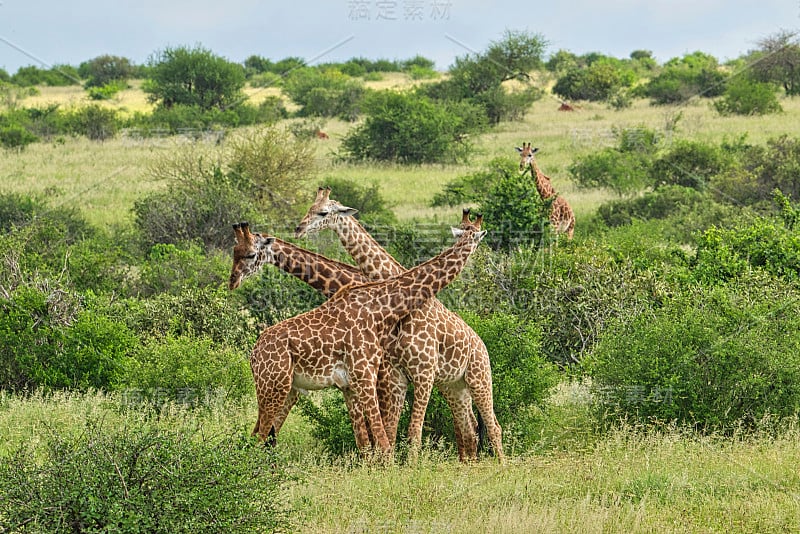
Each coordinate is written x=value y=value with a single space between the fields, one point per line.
x=646 y=373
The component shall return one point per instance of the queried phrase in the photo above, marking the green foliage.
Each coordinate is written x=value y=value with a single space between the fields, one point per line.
x=695 y=74
x=209 y=312
x=473 y=188
x=16 y=137
x=188 y=369
x=625 y=168
x=107 y=90
x=762 y=244
x=193 y=77
x=406 y=128
x=477 y=79
x=664 y=202
x=759 y=171
x=330 y=422
x=745 y=97
x=373 y=210
x=712 y=359
x=141 y=478
x=200 y=208
x=521 y=376
x=777 y=61
x=572 y=293
x=106 y=70
x=56 y=76
x=689 y=164
x=41 y=235
x=597 y=81
x=95 y=122
x=514 y=213
x=172 y=269
x=262 y=173
x=325 y=93
x=50 y=340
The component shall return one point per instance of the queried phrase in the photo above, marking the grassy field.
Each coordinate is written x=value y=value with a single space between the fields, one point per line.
x=578 y=481
x=626 y=481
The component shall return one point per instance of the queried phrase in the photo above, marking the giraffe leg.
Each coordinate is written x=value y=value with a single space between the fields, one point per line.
x=392 y=386
x=459 y=399
x=273 y=380
x=423 y=386
x=364 y=385
x=280 y=418
x=479 y=380
x=357 y=421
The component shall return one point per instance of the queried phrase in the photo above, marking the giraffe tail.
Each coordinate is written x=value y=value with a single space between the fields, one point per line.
x=483 y=439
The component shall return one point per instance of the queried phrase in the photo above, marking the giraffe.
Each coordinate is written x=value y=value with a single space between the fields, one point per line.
x=251 y=252
x=432 y=346
x=562 y=218
x=341 y=342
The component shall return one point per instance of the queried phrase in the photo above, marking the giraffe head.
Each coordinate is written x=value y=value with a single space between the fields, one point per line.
x=469 y=226
x=250 y=252
x=526 y=155
x=322 y=214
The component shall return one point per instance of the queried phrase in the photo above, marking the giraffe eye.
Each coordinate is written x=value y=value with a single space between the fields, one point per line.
x=322 y=213
x=250 y=256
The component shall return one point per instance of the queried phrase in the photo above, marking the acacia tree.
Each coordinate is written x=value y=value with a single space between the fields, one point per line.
x=778 y=61
x=193 y=77
x=104 y=69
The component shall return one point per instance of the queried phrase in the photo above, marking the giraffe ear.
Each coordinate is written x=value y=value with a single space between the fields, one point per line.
x=519 y=148
x=344 y=211
x=478 y=236
x=535 y=150
x=457 y=232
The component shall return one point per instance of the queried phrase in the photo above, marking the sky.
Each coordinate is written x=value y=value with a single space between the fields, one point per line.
x=43 y=33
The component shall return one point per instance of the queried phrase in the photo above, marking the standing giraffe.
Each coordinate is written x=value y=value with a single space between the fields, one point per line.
x=562 y=218
x=251 y=252
x=432 y=346
x=341 y=341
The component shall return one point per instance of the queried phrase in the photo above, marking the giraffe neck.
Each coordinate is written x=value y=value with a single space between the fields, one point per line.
x=369 y=255
x=325 y=275
x=543 y=184
x=408 y=291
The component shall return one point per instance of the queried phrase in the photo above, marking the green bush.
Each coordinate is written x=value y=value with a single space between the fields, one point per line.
x=95 y=122
x=199 y=208
x=597 y=81
x=373 y=210
x=762 y=244
x=140 y=478
x=16 y=137
x=622 y=172
x=514 y=213
x=189 y=370
x=711 y=359
x=659 y=204
x=193 y=77
x=105 y=71
x=106 y=91
x=759 y=171
x=325 y=93
x=212 y=313
x=473 y=188
x=689 y=164
x=693 y=75
x=745 y=97
x=625 y=168
x=405 y=128
x=521 y=376
x=172 y=269
x=56 y=76
x=50 y=340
